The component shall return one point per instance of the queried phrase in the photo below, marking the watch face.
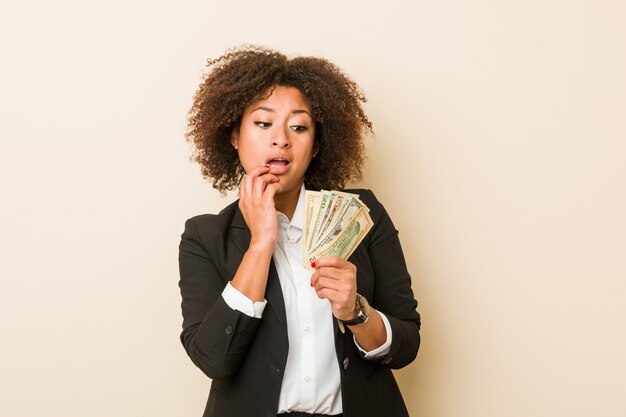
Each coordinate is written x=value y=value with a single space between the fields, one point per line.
x=363 y=305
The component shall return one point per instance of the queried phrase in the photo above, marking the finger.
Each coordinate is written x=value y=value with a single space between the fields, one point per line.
x=245 y=188
x=258 y=170
x=261 y=187
x=340 y=281
x=271 y=189
x=328 y=293
x=332 y=272
x=246 y=182
x=314 y=277
x=347 y=272
x=330 y=283
x=332 y=261
x=258 y=186
x=339 y=301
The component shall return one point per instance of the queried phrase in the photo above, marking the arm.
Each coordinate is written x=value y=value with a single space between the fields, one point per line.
x=390 y=287
x=215 y=336
x=393 y=295
x=256 y=202
x=335 y=279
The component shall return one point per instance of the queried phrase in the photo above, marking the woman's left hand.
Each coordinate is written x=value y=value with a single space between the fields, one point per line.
x=335 y=279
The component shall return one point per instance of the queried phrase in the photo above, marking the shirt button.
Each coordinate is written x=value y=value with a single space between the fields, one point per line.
x=228 y=329
x=305 y=328
x=346 y=362
x=307 y=379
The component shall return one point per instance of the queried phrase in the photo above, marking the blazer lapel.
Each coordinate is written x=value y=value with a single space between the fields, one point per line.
x=273 y=291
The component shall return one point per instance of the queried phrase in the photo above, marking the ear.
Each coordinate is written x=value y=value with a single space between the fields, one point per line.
x=234 y=138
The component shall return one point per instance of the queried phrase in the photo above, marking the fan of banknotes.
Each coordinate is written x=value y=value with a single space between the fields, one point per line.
x=335 y=223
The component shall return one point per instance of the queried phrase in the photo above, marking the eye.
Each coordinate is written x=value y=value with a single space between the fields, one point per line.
x=299 y=128
x=263 y=125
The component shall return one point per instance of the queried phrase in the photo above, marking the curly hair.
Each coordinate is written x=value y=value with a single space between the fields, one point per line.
x=243 y=76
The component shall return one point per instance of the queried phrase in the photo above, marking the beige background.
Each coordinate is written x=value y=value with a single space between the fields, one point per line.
x=499 y=152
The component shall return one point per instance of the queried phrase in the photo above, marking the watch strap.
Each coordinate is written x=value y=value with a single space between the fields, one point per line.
x=362 y=312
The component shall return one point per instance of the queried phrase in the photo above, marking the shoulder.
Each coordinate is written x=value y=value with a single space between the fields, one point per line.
x=367 y=196
x=213 y=224
x=364 y=194
x=383 y=226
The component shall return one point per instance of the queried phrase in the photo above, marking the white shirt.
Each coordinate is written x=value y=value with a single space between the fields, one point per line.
x=311 y=381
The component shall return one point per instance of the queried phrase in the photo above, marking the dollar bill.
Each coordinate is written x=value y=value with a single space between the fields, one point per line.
x=336 y=203
x=346 y=215
x=316 y=219
x=346 y=241
x=311 y=202
x=335 y=224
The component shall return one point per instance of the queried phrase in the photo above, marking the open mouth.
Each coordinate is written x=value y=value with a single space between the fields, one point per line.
x=278 y=165
x=278 y=162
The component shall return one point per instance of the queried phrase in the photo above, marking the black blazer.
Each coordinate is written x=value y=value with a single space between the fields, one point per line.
x=245 y=357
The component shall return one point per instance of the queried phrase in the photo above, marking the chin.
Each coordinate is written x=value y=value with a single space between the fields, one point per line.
x=289 y=186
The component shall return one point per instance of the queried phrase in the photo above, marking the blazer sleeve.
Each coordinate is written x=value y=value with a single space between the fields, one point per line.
x=215 y=336
x=392 y=286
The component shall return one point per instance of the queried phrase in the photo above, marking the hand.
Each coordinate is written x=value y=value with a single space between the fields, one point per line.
x=335 y=279
x=256 y=202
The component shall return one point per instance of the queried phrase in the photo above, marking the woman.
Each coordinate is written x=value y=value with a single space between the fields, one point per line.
x=256 y=321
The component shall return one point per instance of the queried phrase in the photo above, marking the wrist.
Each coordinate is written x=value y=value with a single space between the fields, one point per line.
x=261 y=246
x=361 y=312
x=349 y=315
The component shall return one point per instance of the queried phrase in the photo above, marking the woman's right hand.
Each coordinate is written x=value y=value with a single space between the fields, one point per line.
x=256 y=202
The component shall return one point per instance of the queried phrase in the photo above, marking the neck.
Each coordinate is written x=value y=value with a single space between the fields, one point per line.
x=287 y=201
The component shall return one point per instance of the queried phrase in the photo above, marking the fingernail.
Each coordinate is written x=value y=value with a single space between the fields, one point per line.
x=313 y=264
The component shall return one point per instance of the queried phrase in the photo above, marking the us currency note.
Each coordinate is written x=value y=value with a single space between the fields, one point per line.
x=331 y=213
x=313 y=226
x=346 y=215
x=335 y=223
x=346 y=241
x=311 y=203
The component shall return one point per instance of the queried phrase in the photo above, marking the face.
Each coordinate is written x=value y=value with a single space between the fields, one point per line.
x=279 y=131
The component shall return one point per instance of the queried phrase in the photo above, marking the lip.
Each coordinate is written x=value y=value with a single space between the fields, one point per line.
x=278 y=168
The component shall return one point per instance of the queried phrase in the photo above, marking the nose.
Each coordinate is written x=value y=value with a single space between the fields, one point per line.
x=280 y=139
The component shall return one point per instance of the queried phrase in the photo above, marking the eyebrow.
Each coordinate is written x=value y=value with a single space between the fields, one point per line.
x=271 y=110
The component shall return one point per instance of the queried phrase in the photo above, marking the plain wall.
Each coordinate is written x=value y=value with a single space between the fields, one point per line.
x=499 y=151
